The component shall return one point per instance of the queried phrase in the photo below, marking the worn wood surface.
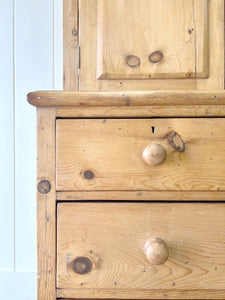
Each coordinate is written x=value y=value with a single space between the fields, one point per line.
x=126 y=98
x=142 y=111
x=196 y=266
x=162 y=294
x=114 y=243
x=88 y=79
x=216 y=48
x=141 y=196
x=180 y=50
x=70 y=45
x=106 y=154
x=87 y=31
x=88 y=17
x=46 y=204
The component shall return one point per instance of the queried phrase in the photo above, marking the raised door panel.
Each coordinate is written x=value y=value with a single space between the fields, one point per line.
x=91 y=43
x=152 y=39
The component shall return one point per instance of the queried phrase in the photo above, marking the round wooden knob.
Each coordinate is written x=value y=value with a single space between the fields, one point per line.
x=154 y=154
x=156 y=251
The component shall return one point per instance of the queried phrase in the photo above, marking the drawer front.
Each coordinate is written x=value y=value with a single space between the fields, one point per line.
x=101 y=250
x=97 y=154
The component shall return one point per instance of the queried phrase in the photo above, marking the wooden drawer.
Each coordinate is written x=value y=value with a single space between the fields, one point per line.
x=106 y=154
x=101 y=250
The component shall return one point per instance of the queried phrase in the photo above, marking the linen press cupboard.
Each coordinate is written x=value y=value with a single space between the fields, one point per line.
x=131 y=155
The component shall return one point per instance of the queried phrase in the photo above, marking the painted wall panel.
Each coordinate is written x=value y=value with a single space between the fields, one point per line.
x=33 y=71
x=31 y=58
x=58 y=44
x=18 y=286
x=7 y=137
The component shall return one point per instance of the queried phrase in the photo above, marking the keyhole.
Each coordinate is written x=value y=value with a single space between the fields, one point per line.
x=153 y=129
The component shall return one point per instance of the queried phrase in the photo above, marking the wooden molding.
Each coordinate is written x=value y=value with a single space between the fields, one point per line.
x=154 y=294
x=46 y=207
x=141 y=111
x=140 y=196
x=137 y=98
x=70 y=45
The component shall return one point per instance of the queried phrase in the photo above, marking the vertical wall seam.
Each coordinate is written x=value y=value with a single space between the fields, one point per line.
x=53 y=4
x=14 y=133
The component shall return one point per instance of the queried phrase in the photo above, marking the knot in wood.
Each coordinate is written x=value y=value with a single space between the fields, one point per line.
x=82 y=265
x=133 y=61
x=155 y=57
x=89 y=175
x=176 y=141
x=44 y=187
x=74 y=32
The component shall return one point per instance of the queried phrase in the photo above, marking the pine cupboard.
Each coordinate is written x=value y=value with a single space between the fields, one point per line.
x=130 y=156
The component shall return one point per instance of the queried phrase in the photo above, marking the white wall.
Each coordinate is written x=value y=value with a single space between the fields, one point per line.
x=30 y=59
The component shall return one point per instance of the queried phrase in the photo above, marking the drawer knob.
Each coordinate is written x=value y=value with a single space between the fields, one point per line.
x=154 y=154
x=156 y=251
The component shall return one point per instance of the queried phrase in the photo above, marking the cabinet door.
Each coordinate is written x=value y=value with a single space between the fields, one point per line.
x=127 y=45
x=141 y=39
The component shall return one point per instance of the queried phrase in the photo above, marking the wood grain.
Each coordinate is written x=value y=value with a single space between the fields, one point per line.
x=216 y=48
x=126 y=98
x=88 y=23
x=70 y=45
x=115 y=242
x=142 y=111
x=88 y=43
x=112 y=150
x=141 y=196
x=180 y=50
x=161 y=294
x=46 y=204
